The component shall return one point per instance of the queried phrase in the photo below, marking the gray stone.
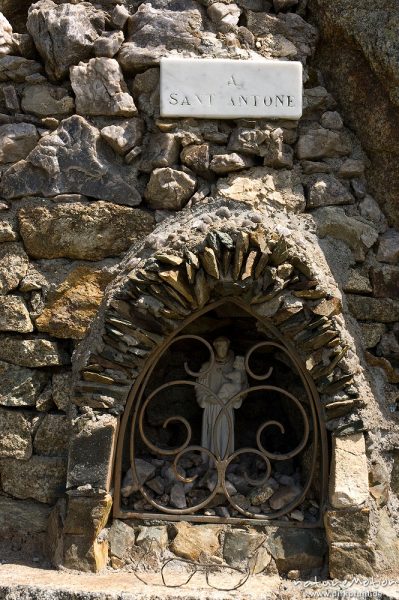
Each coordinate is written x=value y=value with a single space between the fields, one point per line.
x=14 y=315
x=331 y=120
x=18 y=69
x=225 y=16
x=22 y=516
x=108 y=44
x=196 y=157
x=16 y=141
x=41 y=478
x=100 y=89
x=72 y=159
x=385 y=310
x=351 y=168
x=388 y=249
x=161 y=150
x=154 y=32
x=347 y=560
x=228 y=163
x=371 y=333
x=82 y=231
x=125 y=135
x=64 y=34
x=121 y=538
x=47 y=100
x=120 y=15
x=178 y=496
x=15 y=435
x=13 y=266
x=91 y=451
x=52 y=436
x=385 y=280
x=239 y=545
x=7 y=232
x=20 y=386
x=322 y=143
x=296 y=548
x=37 y=352
x=260 y=495
x=283 y=496
x=152 y=538
x=169 y=189
x=144 y=471
x=326 y=190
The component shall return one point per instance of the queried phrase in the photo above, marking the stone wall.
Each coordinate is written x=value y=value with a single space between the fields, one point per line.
x=89 y=170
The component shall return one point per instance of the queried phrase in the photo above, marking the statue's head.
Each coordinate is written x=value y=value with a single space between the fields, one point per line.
x=221 y=345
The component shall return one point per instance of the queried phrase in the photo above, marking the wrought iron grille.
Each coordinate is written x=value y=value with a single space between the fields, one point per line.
x=219 y=463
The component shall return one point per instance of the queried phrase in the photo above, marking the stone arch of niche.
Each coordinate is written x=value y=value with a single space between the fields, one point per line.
x=319 y=438
x=259 y=267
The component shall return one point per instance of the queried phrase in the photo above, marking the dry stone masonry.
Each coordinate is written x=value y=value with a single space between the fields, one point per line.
x=117 y=225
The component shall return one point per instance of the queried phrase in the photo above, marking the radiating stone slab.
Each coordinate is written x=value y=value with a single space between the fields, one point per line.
x=349 y=474
x=230 y=89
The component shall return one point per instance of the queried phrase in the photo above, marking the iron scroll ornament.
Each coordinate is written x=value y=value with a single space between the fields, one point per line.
x=219 y=462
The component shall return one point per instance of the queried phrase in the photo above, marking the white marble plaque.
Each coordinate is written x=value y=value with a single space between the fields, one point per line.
x=230 y=89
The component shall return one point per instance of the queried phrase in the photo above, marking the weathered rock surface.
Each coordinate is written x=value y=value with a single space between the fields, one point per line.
x=125 y=135
x=82 y=231
x=385 y=310
x=264 y=186
x=368 y=68
x=47 y=100
x=349 y=474
x=72 y=159
x=388 y=248
x=6 y=41
x=121 y=538
x=15 y=435
x=153 y=538
x=327 y=190
x=64 y=34
x=169 y=189
x=14 y=315
x=108 y=44
x=193 y=541
x=322 y=143
x=18 y=68
x=101 y=90
x=62 y=386
x=16 y=141
x=14 y=264
x=70 y=309
x=35 y=352
x=20 y=386
x=41 y=478
x=52 y=436
x=22 y=516
x=294 y=548
x=160 y=150
x=154 y=32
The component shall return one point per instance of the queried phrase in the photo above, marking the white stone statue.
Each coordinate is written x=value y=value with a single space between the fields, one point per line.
x=225 y=379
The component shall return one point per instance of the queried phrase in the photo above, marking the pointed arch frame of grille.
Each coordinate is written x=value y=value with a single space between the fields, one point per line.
x=136 y=406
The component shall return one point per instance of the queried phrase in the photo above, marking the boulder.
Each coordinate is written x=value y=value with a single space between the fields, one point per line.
x=108 y=44
x=36 y=352
x=228 y=163
x=82 y=231
x=47 y=100
x=101 y=90
x=194 y=541
x=15 y=435
x=16 y=141
x=14 y=315
x=17 y=69
x=72 y=159
x=169 y=189
x=20 y=386
x=388 y=248
x=240 y=545
x=347 y=525
x=365 y=308
x=385 y=280
x=144 y=471
x=297 y=548
x=153 y=32
x=22 y=516
x=40 y=478
x=160 y=150
x=347 y=560
x=225 y=16
x=153 y=538
x=121 y=538
x=64 y=34
x=70 y=308
x=14 y=264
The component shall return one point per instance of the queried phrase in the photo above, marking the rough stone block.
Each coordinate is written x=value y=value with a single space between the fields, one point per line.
x=347 y=525
x=16 y=141
x=41 y=478
x=14 y=264
x=192 y=541
x=348 y=560
x=87 y=515
x=37 y=352
x=302 y=549
x=14 y=315
x=349 y=473
x=20 y=386
x=82 y=554
x=52 y=436
x=121 y=538
x=15 y=435
x=91 y=452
